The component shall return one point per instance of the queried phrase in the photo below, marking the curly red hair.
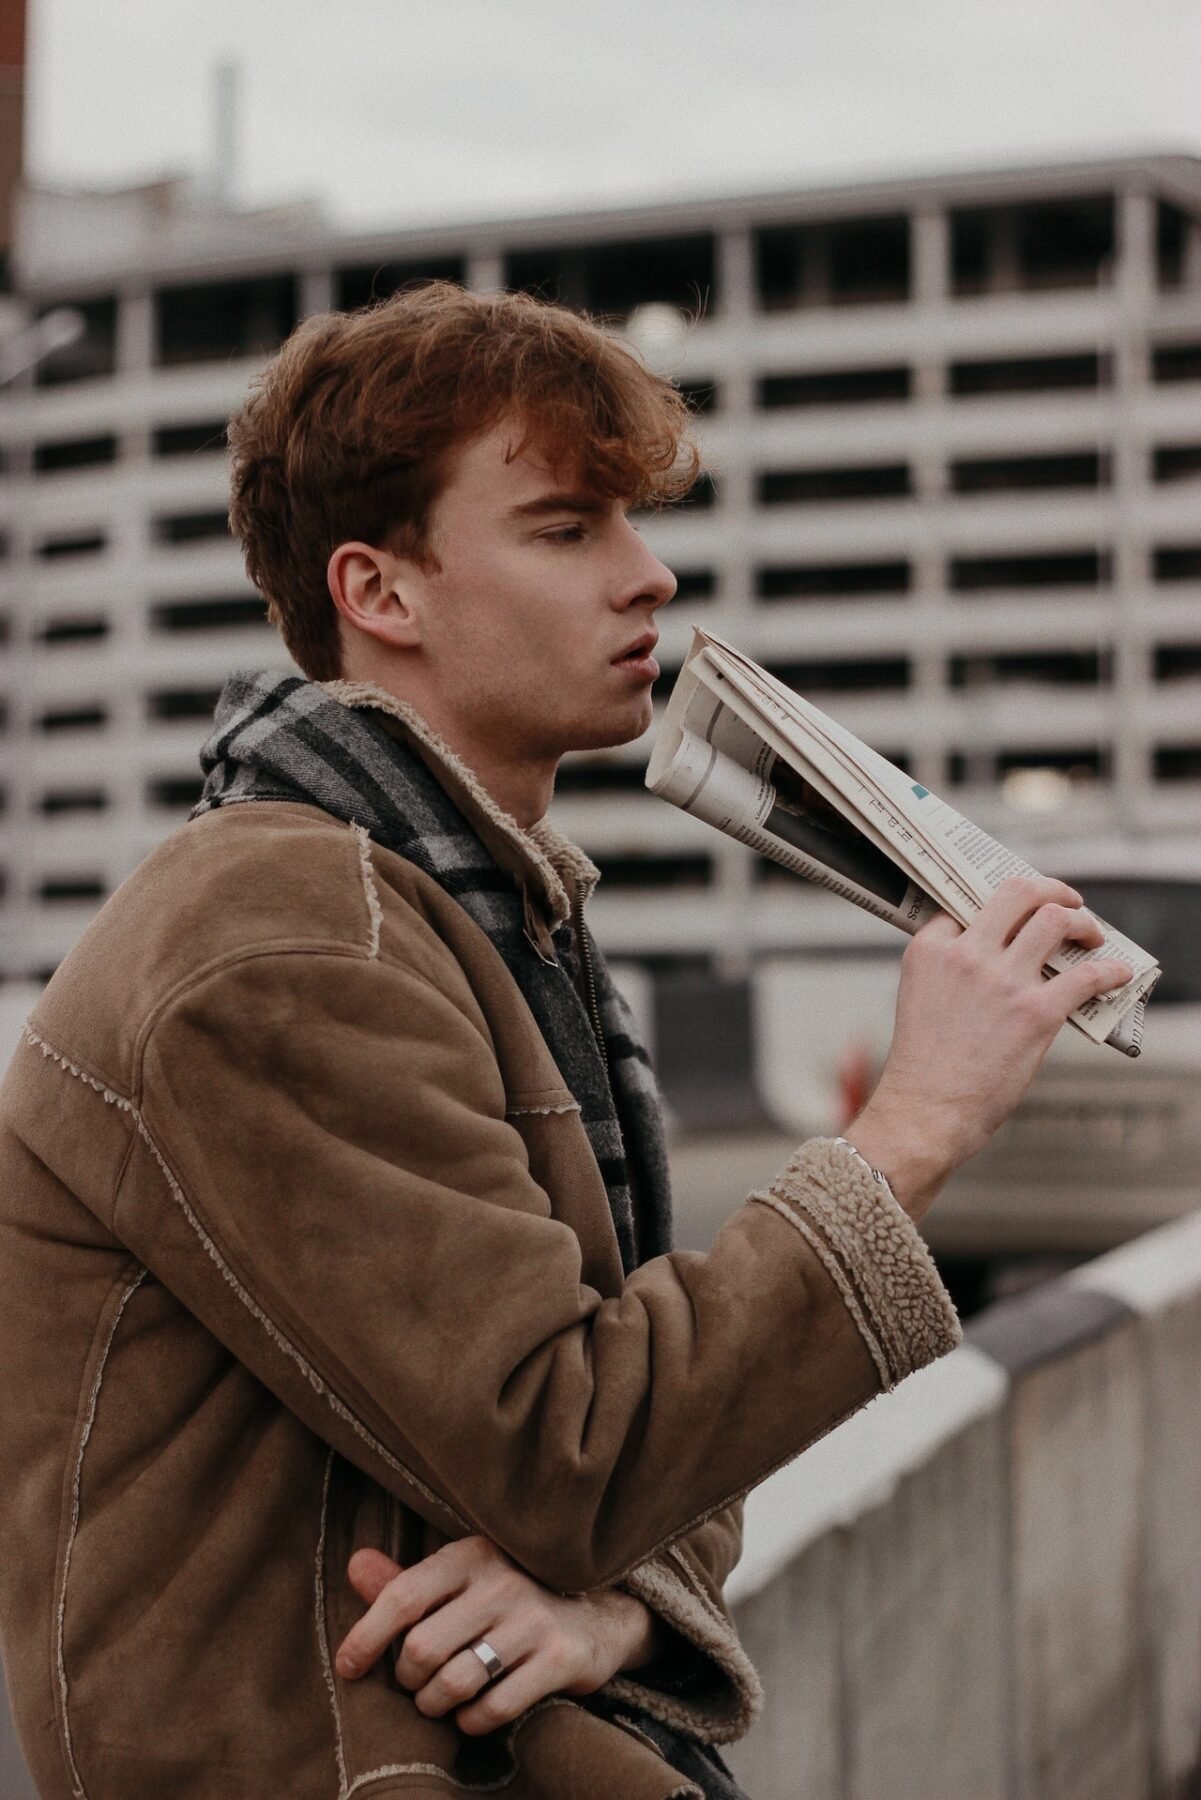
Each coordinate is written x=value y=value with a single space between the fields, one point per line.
x=350 y=431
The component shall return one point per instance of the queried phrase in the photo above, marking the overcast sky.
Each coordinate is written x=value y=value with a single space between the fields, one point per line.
x=391 y=111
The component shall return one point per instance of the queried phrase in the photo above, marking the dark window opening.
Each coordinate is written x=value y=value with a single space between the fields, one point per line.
x=73 y=800
x=74 y=453
x=1011 y=474
x=1028 y=374
x=1176 y=362
x=702 y=396
x=177 y=792
x=687 y=869
x=92 y=354
x=1083 y=764
x=191 y=527
x=1064 y=568
x=1053 y=668
x=820 y=581
x=702 y=495
x=74 y=718
x=884 y=481
x=1046 y=244
x=695 y=584
x=705 y=1049
x=1176 y=462
x=1171 y=243
x=215 y=321
x=209 y=615
x=1177 y=662
x=363 y=283
x=850 y=262
x=588 y=777
x=1177 y=562
x=73 y=631
x=612 y=280
x=183 y=703
x=188 y=440
x=75 y=543
x=71 y=887
x=834 y=387
x=859 y=675
x=1177 y=762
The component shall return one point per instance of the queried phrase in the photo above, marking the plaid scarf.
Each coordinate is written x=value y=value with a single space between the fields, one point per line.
x=276 y=737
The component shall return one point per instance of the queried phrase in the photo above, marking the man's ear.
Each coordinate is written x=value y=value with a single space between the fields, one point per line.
x=378 y=593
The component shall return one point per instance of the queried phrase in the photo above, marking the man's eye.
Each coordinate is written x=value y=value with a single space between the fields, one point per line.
x=565 y=534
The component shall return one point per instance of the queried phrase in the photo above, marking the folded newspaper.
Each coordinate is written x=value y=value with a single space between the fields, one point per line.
x=741 y=751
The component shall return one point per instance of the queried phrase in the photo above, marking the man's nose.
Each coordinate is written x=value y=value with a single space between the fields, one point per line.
x=653 y=582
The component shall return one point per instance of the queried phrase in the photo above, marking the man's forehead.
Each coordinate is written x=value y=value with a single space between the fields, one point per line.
x=516 y=464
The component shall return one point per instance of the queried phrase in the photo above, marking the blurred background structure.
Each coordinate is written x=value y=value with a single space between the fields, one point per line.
x=953 y=440
x=952 y=431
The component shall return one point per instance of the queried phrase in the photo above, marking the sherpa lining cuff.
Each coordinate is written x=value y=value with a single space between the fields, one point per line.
x=716 y=1711
x=873 y=1251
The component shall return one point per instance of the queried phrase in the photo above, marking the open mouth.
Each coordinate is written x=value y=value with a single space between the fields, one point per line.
x=639 y=658
x=639 y=662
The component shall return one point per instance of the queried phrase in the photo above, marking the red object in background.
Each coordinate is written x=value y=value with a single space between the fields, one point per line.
x=856 y=1077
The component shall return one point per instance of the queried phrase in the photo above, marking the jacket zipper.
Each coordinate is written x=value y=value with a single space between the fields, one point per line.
x=588 y=971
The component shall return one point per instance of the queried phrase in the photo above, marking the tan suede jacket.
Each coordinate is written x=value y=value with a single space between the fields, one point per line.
x=303 y=1248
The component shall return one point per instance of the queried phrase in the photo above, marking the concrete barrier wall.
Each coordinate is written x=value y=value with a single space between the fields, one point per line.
x=987 y=1585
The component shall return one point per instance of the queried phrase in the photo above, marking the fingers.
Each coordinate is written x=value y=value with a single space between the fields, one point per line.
x=514 y=1693
x=434 y=1641
x=1085 y=980
x=1048 y=930
x=1014 y=902
x=456 y=1682
x=403 y=1599
x=370 y=1571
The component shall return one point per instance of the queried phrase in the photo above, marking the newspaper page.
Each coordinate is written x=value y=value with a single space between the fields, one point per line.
x=740 y=750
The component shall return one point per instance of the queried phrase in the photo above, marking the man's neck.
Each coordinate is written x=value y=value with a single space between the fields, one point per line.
x=519 y=786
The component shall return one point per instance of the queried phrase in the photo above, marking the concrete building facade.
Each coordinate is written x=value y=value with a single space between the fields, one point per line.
x=953 y=434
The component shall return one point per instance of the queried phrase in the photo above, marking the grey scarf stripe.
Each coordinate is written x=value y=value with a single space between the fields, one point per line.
x=277 y=737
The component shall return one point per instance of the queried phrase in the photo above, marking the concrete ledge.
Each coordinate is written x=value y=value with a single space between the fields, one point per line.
x=987 y=1585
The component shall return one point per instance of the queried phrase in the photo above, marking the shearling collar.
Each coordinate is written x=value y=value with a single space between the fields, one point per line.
x=548 y=867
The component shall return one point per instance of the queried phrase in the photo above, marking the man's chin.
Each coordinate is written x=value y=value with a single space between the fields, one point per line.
x=613 y=731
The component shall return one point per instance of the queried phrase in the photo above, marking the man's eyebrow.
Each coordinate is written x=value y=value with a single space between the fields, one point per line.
x=558 y=502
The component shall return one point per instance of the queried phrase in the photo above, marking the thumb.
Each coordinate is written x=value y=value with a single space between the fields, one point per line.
x=370 y=1571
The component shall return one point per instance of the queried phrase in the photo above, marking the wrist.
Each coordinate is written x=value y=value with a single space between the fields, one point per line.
x=912 y=1159
x=642 y=1636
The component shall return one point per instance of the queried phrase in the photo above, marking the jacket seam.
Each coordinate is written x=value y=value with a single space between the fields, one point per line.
x=838 y=1275
x=375 y=914
x=230 y=959
x=278 y=1337
x=60 y=1619
x=323 y=1630
x=567 y=1106
x=314 y=947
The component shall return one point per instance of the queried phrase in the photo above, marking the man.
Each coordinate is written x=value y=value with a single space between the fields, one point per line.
x=335 y=1219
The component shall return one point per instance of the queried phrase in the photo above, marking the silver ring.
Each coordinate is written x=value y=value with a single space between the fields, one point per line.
x=489 y=1658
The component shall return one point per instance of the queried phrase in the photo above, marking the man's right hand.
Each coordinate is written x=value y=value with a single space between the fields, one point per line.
x=975 y=1017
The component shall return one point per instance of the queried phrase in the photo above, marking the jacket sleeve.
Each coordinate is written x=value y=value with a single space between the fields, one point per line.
x=702 y=1682
x=323 y=1172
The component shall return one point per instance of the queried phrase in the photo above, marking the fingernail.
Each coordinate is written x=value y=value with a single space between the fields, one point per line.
x=347 y=1666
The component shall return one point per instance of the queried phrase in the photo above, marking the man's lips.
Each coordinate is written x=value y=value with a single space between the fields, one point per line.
x=637 y=656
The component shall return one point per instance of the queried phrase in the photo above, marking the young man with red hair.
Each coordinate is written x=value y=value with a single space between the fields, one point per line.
x=333 y=1157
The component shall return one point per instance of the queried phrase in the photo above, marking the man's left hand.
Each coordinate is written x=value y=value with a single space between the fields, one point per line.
x=470 y=1590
